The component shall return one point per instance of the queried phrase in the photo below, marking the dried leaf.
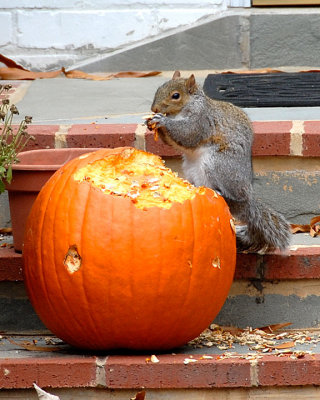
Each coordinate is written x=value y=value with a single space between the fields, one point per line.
x=46 y=396
x=296 y=228
x=275 y=327
x=6 y=231
x=313 y=228
x=31 y=346
x=22 y=74
x=14 y=71
x=77 y=74
x=286 y=345
x=10 y=63
x=139 y=396
x=254 y=71
x=135 y=74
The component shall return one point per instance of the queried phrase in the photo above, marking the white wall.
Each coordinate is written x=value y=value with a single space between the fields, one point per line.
x=44 y=34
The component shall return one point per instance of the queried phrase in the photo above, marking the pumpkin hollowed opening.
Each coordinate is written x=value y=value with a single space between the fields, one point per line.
x=139 y=176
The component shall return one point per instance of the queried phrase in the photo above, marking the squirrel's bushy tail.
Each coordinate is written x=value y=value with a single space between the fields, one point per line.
x=265 y=229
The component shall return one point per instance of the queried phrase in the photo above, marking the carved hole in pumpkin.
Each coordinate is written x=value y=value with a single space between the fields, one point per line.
x=216 y=263
x=72 y=260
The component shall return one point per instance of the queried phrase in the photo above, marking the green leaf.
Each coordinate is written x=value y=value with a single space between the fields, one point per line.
x=9 y=174
x=2 y=187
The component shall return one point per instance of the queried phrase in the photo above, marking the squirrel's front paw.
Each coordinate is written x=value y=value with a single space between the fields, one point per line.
x=156 y=121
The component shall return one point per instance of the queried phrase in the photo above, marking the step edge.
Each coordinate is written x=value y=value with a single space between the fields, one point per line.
x=301 y=263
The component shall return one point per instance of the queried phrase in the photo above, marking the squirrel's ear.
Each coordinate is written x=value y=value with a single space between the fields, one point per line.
x=176 y=75
x=191 y=84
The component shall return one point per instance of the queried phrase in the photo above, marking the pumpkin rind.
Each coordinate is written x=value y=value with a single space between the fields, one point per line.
x=139 y=278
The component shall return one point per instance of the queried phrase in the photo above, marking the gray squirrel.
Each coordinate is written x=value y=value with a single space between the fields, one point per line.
x=215 y=138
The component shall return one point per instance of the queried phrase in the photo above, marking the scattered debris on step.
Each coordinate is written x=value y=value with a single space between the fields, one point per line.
x=260 y=341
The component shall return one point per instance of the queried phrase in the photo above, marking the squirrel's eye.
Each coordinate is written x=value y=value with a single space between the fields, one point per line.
x=176 y=95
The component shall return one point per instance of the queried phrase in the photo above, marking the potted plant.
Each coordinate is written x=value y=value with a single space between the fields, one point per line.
x=11 y=142
x=23 y=173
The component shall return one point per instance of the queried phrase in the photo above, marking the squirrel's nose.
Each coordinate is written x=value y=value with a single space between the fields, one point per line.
x=154 y=108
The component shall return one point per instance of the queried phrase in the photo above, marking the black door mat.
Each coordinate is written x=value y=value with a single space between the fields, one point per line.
x=299 y=89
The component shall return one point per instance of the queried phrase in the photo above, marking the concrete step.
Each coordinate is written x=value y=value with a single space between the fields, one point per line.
x=285 y=367
x=236 y=38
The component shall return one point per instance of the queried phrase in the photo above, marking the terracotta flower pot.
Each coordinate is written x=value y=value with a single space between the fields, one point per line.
x=28 y=177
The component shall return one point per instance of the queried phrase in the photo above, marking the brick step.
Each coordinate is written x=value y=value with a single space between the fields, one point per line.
x=272 y=138
x=234 y=374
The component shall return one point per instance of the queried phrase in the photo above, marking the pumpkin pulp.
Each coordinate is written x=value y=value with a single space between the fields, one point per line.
x=140 y=176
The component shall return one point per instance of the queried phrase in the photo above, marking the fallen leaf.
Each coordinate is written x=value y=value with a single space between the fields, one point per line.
x=77 y=74
x=254 y=71
x=6 y=231
x=10 y=63
x=296 y=228
x=14 y=71
x=135 y=74
x=22 y=74
x=46 y=396
x=33 y=347
x=274 y=327
x=313 y=228
x=286 y=345
x=139 y=396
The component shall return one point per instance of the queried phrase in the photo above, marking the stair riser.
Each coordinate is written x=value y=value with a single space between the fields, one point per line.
x=250 y=303
x=294 y=193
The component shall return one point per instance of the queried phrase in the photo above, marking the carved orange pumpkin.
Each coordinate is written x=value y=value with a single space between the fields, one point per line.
x=121 y=253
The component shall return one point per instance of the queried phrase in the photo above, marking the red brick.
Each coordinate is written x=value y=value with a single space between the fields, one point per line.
x=302 y=263
x=246 y=266
x=44 y=136
x=158 y=147
x=101 y=135
x=57 y=372
x=124 y=372
x=10 y=265
x=285 y=371
x=271 y=138
x=311 y=139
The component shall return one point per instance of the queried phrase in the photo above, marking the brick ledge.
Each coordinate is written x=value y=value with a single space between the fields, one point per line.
x=299 y=263
x=133 y=372
x=272 y=138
